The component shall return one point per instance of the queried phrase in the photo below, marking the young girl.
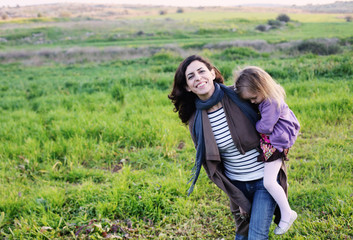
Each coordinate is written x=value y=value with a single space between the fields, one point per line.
x=278 y=128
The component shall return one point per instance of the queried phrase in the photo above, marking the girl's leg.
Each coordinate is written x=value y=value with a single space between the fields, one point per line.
x=276 y=191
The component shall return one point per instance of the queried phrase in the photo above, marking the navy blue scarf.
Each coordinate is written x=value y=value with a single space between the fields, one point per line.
x=216 y=97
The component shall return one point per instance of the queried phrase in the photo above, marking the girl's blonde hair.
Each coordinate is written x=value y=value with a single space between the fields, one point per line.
x=256 y=80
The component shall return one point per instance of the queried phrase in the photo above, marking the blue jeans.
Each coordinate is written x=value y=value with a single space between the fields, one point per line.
x=262 y=209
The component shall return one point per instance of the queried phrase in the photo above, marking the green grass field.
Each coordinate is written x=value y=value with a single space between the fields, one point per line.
x=92 y=149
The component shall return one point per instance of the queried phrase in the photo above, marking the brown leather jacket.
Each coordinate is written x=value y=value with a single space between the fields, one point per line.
x=245 y=138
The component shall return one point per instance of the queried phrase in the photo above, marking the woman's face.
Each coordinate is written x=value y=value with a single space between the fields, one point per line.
x=199 y=80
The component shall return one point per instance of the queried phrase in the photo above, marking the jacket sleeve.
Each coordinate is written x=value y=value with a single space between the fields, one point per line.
x=242 y=225
x=236 y=198
x=270 y=114
x=191 y=125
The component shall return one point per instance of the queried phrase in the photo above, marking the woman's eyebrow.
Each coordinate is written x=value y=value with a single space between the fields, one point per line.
x=201 y=68
x=190 y=74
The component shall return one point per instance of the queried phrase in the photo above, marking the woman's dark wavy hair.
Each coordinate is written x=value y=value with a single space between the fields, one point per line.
x=183 y=100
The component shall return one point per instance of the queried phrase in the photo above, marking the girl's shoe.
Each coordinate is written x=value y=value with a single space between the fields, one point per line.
x=279 y=231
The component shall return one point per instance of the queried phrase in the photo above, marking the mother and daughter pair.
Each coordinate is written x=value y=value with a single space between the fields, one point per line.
x=242 y=135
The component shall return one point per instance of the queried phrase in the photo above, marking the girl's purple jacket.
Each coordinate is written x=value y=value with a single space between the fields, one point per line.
x=279 y=123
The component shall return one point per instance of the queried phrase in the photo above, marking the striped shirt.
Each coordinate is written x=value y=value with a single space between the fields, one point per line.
x=237 y=166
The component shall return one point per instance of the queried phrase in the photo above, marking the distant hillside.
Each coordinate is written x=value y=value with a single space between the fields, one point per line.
x=119 y=11
x=337 y=7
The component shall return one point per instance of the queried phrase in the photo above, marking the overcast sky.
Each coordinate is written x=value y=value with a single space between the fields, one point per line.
x=193 y=3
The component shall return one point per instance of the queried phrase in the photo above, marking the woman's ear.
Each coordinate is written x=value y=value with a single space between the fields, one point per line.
x=187 y=88
x=213 y=74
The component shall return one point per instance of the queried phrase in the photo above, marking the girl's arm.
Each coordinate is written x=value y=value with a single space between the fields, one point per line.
x=270 y=114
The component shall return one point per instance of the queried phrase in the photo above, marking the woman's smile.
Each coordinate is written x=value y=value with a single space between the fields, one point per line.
x=200 y=85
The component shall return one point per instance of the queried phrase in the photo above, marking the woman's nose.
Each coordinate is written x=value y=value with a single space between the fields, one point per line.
x=197 y=76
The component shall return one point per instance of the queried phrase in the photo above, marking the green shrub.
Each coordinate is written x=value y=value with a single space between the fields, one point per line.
x=235 y=53
x=207 y=31
x=34 y=91
x=262 y=27
x=4 y=16
x=13 y=103
x=274 y=23
x=198 y=45
x=346 y=41
x=348 y=18
x=180 y=10
x=166 y=56
x=118 y=93
x=283 y=18
x=226 y=70
x=318 y=48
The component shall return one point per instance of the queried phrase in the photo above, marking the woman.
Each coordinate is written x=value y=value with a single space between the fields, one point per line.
x=222 y=128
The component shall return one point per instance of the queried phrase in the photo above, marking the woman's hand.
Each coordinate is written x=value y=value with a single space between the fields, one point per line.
x=243 y=214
